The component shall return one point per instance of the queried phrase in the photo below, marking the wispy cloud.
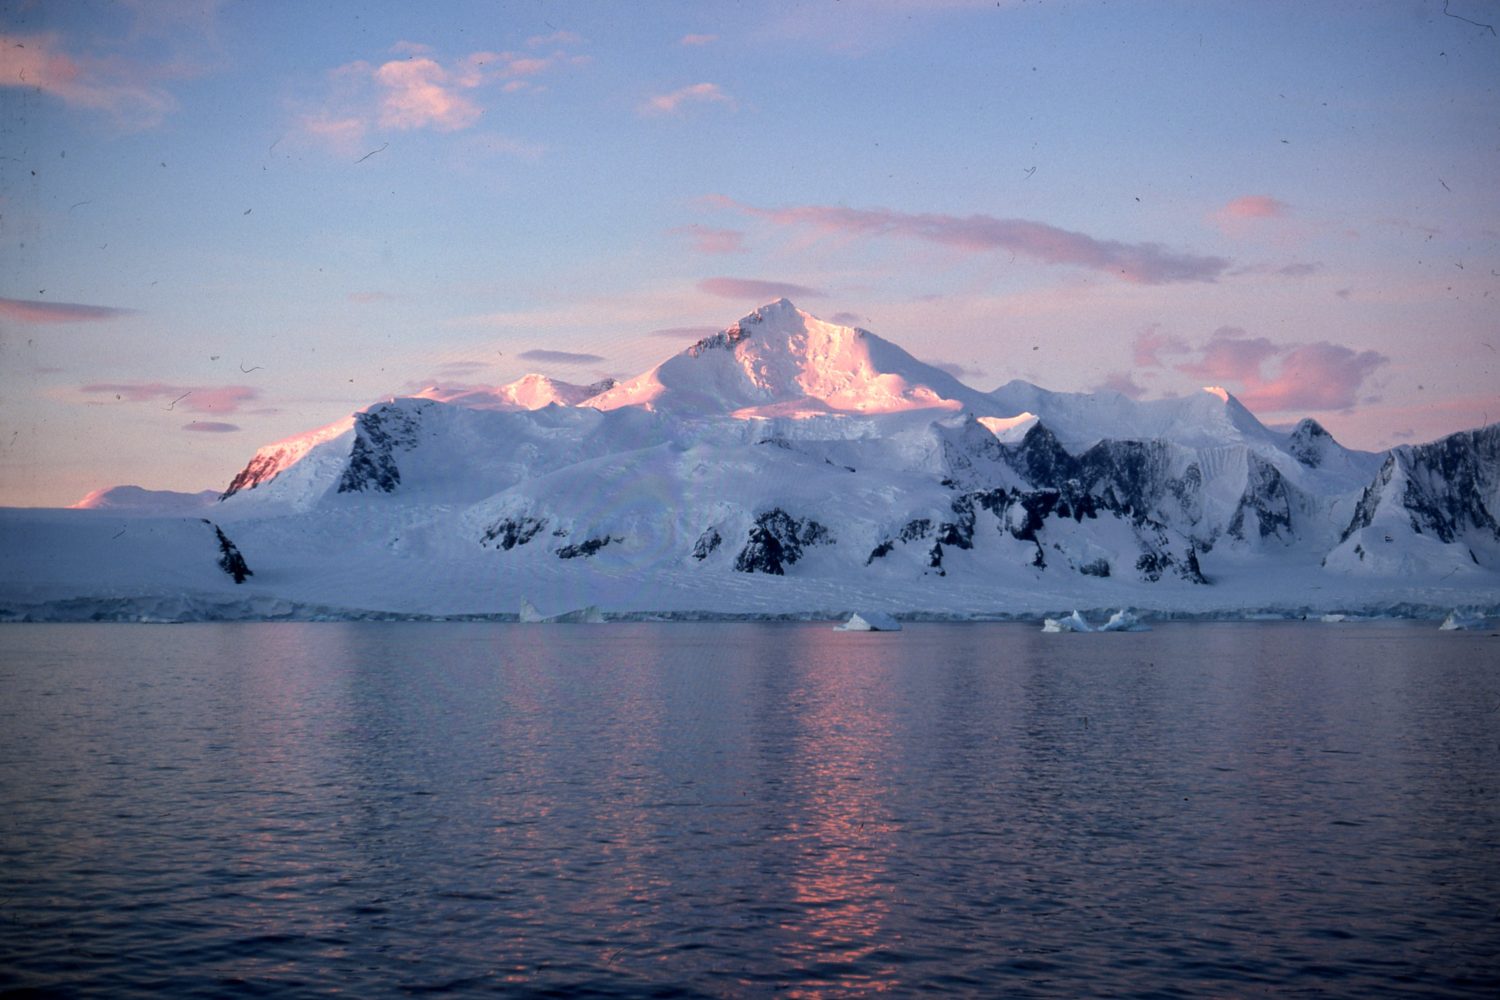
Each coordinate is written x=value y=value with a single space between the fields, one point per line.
x=196 y=399
x=1254 y=206
x=713 y=241
x=560 y=357
x=1141 y=263
x=759 y=291
x=367 y=297
x=958 y=371
x=211 y=427
x=130 y=93
x=1246 y=215
x=698 y=93
x=27 y=311
x=1123 y=383
x=699 y=39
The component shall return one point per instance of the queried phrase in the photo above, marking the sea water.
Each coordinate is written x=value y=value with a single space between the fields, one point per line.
x=748 y=809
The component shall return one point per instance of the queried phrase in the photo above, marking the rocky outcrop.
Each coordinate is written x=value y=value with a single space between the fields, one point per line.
x=777 y=541
x=380 y=434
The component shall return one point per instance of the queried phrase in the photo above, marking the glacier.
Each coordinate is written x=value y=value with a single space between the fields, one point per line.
x=785 y=467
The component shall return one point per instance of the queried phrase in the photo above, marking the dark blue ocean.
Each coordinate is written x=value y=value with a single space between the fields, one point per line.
x=384 y=809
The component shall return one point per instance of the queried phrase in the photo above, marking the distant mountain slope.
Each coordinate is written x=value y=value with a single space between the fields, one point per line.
x=787 y=463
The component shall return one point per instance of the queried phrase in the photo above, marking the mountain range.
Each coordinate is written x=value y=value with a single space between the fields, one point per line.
x=785 y=465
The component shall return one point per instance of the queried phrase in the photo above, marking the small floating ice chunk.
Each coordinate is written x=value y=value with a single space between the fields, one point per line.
x=1458 y=620
x=1124 y=620
x=869 y=621
x=1072 y=623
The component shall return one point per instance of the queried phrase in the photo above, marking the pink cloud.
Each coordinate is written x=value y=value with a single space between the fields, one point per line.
x=759 y=291
x=422 y=91
x=1149 y=345
x=129 y=93
x=26 y=311
x=699 y=39
x=1141 y=263
x=364 y=297
x=211 y=427
x=1319 y=376
x=713 y=241
x=1254 y=206
x=419 y=93
x=1230 y=355
x=197 y=399
x=1284 y=378
x=668 y=104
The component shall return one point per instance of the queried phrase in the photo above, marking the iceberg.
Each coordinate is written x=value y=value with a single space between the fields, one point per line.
x=1124 y=620
x=1460 y=620
x=590 y=615
x=1072 y=623
x=869 y=621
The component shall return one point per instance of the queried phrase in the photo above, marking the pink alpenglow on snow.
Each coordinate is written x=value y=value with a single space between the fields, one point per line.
x=782 y=362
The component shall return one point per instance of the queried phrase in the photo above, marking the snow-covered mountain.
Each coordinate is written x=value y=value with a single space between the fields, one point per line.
x=788 y=464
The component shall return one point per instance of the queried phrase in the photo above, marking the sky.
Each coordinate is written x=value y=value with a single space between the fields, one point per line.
x=224 y=223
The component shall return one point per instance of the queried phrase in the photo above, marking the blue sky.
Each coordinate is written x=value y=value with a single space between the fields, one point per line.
x=224 y=223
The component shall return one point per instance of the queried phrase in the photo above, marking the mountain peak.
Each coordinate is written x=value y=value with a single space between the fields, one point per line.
x=779 y=361
x=781 y=309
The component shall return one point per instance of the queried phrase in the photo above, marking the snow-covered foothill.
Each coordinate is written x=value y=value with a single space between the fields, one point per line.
x=136 y=500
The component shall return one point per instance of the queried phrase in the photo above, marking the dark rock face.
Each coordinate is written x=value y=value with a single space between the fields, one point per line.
x=1041 y=459
x=379 y=433
x=707 y=543
x=777 y=541
x=260 y=469
x=230 y=559
x=1448 y=480
x=724 y=340
x=587 y=547
x=1307 y=441
x=1268 y=496
x=1128 y=477
x=509 y=533
x=1369 y=500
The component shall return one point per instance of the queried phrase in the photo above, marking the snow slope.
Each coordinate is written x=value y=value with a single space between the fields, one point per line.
x=789 y=465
